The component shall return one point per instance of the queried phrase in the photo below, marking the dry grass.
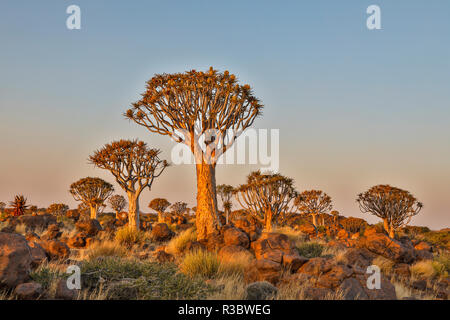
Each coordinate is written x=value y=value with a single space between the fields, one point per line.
x=293 y=235
x=178 y=244
x=423 y=269
x=238 y=264
x=129 y=237
x=104 y=249
x=384 y=264
x=200 y=263
x=231 y=288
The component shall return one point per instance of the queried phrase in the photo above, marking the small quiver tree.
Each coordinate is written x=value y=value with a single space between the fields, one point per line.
x=226 y=192
x=117 y=203
x=159 y=205
x=92 y=192
x=58 y=209
x=267 y=197
x=313 y=203
x=395 y=206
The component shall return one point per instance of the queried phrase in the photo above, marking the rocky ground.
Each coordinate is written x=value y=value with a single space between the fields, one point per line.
x=164 y=260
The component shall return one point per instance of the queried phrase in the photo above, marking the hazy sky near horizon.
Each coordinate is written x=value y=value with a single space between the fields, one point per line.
x=355 y=107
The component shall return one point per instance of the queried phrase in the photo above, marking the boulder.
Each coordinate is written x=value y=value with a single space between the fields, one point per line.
x=15 y=260
x=32 y=237
x=268 y=270
x=358 y=258
x=392 y=249
x=63 y=292
x=251 y=229
x=308 y=229
x=52 y=233
x=161 y=232
x=38 y=255
x=293 y=261
x=316 y=267
x=353 y=290
x=163 y=257
x=342 y=234
x=272 y=241
x=90 y=227
x=402 y=270
x=38 y=222
x=55 y=249
x=29 y=291
x=261 y=290
x=77 y=241
x=334 y=277
x=423 y=246
x=235 y=236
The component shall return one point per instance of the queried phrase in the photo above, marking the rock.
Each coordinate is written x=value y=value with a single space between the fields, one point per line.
x=268 y=270
x=358 y=258
x=316 y=266
x=194 y=246
x=90 y=227
x=161 y=232
x=333 y=278
x=63 y=292
x=214 y=241
x=52 y=233
x=370 y=231
x=308 y=229
x=38 y=255
x=235 y=236
x=386 y=291
x=342 y=234
x=39 y=222
x=401 y=270
x=15 y=260
x=293 y=261
x=77 y=241
x=261 y=290
x=163 y=257
x=252 y=230
x=55 y=249
x=29 y=291
x=419 y=285
x=382 y=245
x=317 y=293
x=229 y=252
x=271 y=241
x=355 y=236
x=353 y=290
x=423 y=255
x=32 y=237
x=273 y=255
x=423 y=246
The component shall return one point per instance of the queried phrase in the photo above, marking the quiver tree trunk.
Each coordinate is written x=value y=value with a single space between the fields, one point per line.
x=268 y=220
x=93 y=210
x=314 y=220
x=133 y=211
x=207 y=221
x=160 y=217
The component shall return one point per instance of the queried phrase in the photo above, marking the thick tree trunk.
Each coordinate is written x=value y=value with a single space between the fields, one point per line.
x=160 y=217
x=207 y=220
x=133 y=211
x=386 y=225
x=268 y=220
x=314 y=220
x=93 y=212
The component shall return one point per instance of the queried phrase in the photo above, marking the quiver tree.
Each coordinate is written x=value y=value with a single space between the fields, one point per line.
x=395 y=206
x=313 y=203
x=58 y=209
x=135 y=166
x=178 y=208
x=92 y=192
x=19 y=205
x=206 y=111
x=117 y=203
x=159 y=205
x=267 y=197
x=335 y=215
x=226 y=192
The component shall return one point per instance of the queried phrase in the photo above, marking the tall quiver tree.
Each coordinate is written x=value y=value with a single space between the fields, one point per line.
x=206 y=111
x=226 y=192
x=92 y=192
x=313 y=203
x=267 y=197
x=135 y=166
x=395 y=206
x=117 y=203
x=159 y=205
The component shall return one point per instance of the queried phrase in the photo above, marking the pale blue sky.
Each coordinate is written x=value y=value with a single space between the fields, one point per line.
x=354 y=107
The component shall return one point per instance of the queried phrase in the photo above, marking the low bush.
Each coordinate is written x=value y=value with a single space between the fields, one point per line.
x=129 y=237
x=178 y=244
x=310 y=249
x=200 y=263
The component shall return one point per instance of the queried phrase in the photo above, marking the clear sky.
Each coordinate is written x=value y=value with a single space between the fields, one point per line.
x=354 y=107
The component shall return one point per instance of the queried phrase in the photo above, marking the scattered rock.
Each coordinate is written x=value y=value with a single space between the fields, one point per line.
x=77 y=241
x=293 y=261
x=163 y=257
x=382 y=245
x=38 y=222
x=55 y=249
x=90 y=227
x=235 y=236
x=38 y=254
x=353 y=290
x=63 y=292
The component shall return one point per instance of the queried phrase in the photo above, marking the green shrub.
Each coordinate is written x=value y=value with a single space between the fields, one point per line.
x=310 y=249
